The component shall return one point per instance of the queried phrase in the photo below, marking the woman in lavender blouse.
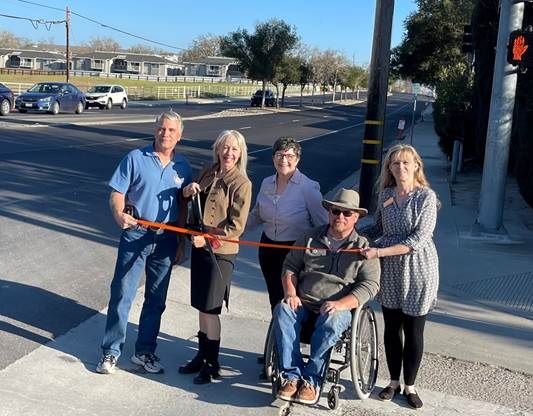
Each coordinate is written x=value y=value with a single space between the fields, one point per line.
x=288 y=204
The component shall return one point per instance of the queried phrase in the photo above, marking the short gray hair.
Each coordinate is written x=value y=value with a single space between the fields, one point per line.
x=170 y=115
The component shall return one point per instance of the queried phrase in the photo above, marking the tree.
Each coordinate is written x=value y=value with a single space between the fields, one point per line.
x=432 y=39
x=354 y=77
x=306 y=74
x=102 y=44
x=326 y=69
x=201 y=47
x=144 y=49
x=317 y=69
x=9 y=40
x=288 y=72
x=260 y=54
x=430 y=53
x=334 y=62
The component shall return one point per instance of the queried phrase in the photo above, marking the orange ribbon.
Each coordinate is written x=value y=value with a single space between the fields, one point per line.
x=182 y=230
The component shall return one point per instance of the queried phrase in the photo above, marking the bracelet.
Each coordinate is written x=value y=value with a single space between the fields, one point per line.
x=377 y=249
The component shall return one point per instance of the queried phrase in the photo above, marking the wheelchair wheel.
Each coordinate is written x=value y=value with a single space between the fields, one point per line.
x=274 y=376
x=364 y=351
x=333 y=398
x=269 y=353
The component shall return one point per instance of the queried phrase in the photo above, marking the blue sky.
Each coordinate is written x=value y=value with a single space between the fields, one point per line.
x=346 y=26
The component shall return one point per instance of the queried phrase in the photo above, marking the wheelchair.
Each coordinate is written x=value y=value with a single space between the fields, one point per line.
x=357 y=349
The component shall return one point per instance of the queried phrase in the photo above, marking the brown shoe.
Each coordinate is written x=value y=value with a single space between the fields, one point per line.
x=307 y=393
x=288 y=389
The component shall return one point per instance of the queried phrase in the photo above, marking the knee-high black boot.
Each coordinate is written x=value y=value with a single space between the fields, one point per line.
x=211 y=367
x=197 y=362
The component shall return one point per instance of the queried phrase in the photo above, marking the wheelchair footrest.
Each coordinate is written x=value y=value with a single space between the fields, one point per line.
x=333 y=376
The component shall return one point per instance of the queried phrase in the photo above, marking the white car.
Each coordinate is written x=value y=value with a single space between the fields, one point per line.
x=106 y=96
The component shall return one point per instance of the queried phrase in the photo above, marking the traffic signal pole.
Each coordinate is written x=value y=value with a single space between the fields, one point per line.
x=376 y=102
x=500 y=123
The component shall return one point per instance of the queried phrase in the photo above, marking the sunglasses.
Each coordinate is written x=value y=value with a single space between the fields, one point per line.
x=338 y=212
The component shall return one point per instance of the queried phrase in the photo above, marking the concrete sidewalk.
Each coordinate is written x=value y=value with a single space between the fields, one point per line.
x=478 y=347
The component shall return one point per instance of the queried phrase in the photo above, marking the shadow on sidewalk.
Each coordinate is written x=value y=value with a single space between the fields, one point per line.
x=519 y=335
x=37 y=310
x=239 y=386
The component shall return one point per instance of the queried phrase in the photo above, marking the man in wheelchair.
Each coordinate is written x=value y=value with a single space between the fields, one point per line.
x=329 y=279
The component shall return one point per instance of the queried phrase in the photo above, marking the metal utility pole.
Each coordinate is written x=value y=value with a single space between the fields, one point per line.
x=500 y=122
x=413 y=121
x=67 y=26
x=376 y=102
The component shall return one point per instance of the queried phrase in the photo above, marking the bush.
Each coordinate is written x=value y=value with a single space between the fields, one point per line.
x=452 y=110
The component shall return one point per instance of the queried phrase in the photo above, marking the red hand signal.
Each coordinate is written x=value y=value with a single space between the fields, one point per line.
x=519 y=48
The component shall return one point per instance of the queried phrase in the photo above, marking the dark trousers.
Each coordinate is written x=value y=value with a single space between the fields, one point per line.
x=271 y=262
x=404 y=343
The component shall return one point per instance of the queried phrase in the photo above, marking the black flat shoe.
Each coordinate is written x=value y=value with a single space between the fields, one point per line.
x=413 y=399
x=388 y=393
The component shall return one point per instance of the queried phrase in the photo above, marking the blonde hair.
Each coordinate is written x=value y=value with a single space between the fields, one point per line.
x=386 y=179
x=241 y=142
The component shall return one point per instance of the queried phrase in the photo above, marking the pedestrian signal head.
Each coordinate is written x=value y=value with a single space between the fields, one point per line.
x=520 y=48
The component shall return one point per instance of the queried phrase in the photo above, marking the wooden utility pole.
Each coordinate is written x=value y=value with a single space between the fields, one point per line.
x=67 y=26
x=376 y=102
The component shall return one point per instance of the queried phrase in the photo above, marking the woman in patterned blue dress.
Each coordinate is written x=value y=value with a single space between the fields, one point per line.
x=403 y=227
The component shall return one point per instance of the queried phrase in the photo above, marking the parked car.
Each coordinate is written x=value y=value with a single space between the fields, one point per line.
x=270 y=100
x=7 y=100
x=51 y=97
x=106 y=96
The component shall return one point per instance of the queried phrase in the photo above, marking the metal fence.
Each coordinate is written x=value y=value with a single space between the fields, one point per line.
x=180 y=92
x=158 y=78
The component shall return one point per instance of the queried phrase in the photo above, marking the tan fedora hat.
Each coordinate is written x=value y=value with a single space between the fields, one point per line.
x=345 y=199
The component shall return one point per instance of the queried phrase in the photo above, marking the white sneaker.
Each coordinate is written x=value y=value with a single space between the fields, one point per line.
x=107 y=364
x=150 y=362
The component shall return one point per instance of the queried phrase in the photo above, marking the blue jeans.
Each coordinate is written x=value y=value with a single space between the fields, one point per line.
x=139 y=249
x=287 y=326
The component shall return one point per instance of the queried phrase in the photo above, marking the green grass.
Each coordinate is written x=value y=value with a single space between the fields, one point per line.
x=139 y=89
x=143 y=89
x=86 y=82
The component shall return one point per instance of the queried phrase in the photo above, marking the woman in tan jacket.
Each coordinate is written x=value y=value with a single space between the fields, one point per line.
x=225 y=193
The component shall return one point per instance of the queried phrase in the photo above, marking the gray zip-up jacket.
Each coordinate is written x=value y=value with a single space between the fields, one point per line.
x=325 y=275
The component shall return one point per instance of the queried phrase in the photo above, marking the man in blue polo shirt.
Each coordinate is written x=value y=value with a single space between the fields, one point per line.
x=147 y=184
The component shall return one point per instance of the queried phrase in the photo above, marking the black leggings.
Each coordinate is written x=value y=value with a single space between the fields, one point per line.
x=271 y=262
x=398 y=325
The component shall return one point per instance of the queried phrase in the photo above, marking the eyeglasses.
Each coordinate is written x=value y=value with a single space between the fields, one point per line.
x=338 y=212
x=288 y=156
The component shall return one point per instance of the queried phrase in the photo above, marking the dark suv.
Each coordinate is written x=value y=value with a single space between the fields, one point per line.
x=270 y=100
x=7 y=100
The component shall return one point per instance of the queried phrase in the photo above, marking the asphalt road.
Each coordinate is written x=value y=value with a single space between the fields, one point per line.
x=57 y=239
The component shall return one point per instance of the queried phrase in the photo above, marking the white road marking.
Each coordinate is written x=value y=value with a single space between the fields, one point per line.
x=329 y=132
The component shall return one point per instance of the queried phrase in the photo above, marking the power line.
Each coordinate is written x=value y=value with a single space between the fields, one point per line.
x=104 y=25
x=35 y=22
x=42 y=5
